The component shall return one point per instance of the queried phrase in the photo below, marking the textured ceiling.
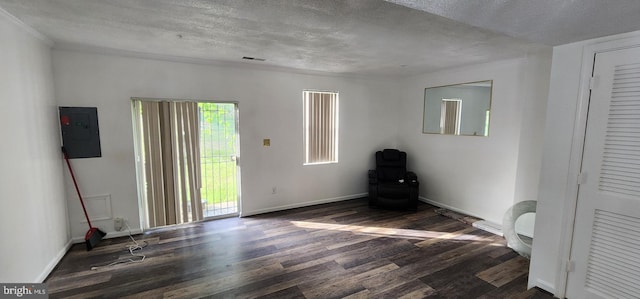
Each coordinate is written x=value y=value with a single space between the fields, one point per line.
x=551 y=22
x=352 y=36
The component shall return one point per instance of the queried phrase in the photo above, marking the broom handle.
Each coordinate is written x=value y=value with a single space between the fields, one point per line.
x=66 y=158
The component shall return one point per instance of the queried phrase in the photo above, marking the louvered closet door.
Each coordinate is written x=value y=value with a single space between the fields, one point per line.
x=606 y=244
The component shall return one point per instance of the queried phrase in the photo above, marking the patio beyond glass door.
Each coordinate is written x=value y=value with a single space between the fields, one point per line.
x=219 y=158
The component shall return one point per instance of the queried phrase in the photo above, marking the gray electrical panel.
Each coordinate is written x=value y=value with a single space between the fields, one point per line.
x=80 y=134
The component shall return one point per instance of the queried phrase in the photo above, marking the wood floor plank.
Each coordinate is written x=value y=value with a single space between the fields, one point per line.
x=503 y=273
x=205 y=286
x=351 y=277
x=69 y=283
x=359 y=295
x=284 y=281
x=337 y=250
x=389 y=247
x=445 y=236
x=350 y=240
x=459 y=279
x=516 y=289
x=360 y=248
x=288 y=293
x=409 y=290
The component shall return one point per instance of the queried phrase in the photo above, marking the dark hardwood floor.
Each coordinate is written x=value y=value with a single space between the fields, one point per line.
x=337 y=250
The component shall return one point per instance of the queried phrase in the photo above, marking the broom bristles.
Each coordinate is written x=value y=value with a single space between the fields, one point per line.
x=93 y=237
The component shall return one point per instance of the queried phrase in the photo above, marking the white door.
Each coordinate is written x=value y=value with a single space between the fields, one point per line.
x=606 y=241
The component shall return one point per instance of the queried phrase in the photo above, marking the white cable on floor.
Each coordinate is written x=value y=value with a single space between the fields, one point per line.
x=132 y=247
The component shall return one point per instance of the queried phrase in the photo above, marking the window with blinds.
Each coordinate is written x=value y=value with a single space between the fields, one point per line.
x=320 y=127
x=450 y=116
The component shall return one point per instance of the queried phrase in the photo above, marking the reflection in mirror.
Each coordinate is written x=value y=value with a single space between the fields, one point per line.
x=461 y=109
x=524 y=227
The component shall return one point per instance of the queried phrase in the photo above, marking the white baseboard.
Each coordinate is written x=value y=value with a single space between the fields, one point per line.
x=491 y=227
x=110 y=235
x=448 y=207
x=54 y=262
x=303 y=204
x=123 y=233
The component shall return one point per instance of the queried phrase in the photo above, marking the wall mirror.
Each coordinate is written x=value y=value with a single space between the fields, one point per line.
x=460 y=109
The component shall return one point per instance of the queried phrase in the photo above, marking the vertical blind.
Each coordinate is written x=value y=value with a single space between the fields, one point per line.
x=321 y=127
x=170 y=135
x=450 y=117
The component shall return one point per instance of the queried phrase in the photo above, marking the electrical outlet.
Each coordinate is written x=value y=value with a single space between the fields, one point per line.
x=118 y=224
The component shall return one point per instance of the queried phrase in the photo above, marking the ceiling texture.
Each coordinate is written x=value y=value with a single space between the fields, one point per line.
x=366 y=37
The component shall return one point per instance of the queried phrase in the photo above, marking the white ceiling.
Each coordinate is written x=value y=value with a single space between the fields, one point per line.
x=551 y=22
x=371 y=37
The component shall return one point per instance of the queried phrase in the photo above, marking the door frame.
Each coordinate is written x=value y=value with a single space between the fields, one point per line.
x=142 y=201
x=577 y=147
x=236 y=105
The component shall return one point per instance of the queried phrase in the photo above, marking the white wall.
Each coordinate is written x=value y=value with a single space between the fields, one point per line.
x=270 y=105
x=558 y=181
x=33 y=218
x=481 y=176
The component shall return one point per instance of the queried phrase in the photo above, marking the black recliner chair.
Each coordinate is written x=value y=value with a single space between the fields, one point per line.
x=390 y=184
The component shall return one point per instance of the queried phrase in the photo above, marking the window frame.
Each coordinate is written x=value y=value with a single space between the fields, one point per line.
x=335 y=117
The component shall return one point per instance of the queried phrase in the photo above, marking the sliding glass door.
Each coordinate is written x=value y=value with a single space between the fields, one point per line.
x=218 y=158
x=187 y=160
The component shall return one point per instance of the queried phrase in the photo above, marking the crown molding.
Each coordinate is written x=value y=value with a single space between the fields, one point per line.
x=34 y=33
